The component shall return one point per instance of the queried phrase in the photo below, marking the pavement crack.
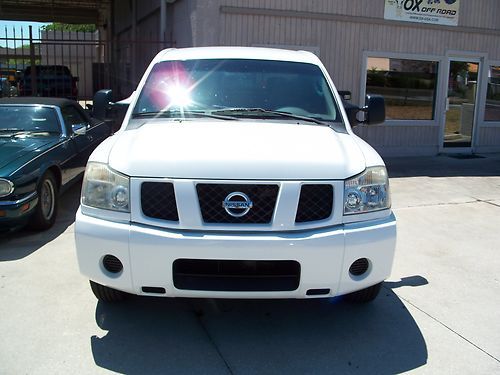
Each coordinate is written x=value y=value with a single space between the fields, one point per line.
x=207 y=333
x=488 y=202
x=448 y=327
x=440 y=204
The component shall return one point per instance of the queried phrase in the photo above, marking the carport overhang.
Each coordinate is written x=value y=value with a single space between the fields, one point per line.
x=64 y=11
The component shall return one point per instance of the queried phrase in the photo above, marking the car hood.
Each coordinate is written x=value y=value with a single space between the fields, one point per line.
x=251 y=150
x=16 y=151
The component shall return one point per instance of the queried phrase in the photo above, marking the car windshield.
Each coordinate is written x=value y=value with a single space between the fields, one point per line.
x=237 y=88
x=37 y=119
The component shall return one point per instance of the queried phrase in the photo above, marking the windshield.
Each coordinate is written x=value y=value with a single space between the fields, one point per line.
x=211 y=85
x=28 y=119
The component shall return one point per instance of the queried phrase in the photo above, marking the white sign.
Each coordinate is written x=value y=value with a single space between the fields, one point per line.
x=441 y=12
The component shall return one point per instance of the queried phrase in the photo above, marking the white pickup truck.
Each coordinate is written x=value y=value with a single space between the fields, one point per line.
x=236 y=174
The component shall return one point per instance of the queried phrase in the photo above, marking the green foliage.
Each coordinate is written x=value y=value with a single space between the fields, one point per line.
x=56 y=26
x=404 y=80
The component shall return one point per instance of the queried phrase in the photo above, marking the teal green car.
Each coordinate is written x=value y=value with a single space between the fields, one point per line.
x=44 y=147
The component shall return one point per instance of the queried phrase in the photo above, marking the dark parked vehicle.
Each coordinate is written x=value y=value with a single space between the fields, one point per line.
x=51 y=81
x=44 y=146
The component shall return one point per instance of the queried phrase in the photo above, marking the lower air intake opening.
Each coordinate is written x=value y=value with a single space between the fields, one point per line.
x=236 y=275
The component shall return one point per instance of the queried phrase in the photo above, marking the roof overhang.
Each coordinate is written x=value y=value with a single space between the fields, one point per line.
x=65 y=11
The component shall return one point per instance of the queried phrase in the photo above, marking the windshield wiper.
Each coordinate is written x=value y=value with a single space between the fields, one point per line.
x=8 y=130
x=253 y=111
x=178 y=113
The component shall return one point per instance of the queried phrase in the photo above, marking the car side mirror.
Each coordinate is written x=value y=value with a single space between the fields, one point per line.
x=374 y=109
x=79 y=129
x=102 y=103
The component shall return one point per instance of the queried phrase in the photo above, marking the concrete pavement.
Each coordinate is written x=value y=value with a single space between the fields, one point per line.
x=438 y=313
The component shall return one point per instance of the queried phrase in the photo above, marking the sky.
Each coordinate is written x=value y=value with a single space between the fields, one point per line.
x=18 y=25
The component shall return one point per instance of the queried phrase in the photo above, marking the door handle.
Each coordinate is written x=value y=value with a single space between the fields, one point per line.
x=447 y=108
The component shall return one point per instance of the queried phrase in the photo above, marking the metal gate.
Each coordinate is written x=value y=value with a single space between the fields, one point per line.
x=70 y=64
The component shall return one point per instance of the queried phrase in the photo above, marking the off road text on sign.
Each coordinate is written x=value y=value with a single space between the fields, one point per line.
x=441 y=12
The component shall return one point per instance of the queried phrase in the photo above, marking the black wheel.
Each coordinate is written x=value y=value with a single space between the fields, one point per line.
x=48 y=203
x=106 y=294
x=364 y=295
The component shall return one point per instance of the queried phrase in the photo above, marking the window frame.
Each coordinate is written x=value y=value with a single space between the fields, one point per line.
x=406 y=56
x=484 y=94
x=67 y=125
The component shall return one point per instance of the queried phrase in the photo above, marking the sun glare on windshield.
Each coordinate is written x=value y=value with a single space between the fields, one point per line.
x=179 y=96
x=170 y=87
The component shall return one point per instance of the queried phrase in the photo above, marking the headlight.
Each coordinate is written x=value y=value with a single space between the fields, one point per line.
x=367 y=192
x=6 y=187
x=105 y=188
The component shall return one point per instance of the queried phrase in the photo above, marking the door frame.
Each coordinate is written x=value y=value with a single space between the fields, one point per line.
x=462 y=56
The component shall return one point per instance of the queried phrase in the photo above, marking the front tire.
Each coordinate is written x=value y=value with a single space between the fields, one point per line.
x=364 y=295
x=48 y=203
x=106 y=294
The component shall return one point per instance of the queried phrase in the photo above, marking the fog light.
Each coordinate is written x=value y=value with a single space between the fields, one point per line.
x=359 y=267
x=25 y=207
x=112 y=264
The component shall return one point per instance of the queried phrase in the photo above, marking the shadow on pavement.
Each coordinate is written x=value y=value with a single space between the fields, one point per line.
x=443 y=166
x=413 y=281
x=22 y=242
x=148 y=335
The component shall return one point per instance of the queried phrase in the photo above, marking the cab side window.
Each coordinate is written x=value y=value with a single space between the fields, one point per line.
x=71 y=117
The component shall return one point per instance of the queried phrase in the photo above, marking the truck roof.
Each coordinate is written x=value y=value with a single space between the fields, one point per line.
x=36 y=100
x=256 y=53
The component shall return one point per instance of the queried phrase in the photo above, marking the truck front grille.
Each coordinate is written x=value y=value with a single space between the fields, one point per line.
x=158 y=201
x=236 y=275
x=212 y=196
x=315 y=203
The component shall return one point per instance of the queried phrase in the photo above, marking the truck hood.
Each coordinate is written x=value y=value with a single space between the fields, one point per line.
x=247 y=150
x=16 y=151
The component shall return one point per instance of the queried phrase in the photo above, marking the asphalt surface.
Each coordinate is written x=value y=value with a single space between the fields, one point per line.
x=438 y=313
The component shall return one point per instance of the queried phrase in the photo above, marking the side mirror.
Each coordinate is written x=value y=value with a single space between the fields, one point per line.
x=119 y=110
x=79 y=129
x=103 y=100
x=374 y=109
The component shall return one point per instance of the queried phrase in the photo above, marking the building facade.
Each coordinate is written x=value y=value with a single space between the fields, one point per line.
x=436 y=62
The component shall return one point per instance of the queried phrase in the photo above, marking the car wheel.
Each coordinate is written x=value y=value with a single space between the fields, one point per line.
x=48 y=203
x=106 y=294
x=364 y=295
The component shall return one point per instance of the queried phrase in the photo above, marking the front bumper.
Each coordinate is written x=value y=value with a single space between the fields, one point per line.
x=15 y=213
x=148 y=254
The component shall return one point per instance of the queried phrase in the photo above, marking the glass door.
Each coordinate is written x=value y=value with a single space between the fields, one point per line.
x=460 y=104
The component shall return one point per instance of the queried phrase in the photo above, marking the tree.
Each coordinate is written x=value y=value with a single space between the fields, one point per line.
x=57 y=26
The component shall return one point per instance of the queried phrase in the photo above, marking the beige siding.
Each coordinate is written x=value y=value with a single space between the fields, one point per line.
x=480 y=13
x=396 y=140
x=489 y=136
x=474 y=13
x=342 y=43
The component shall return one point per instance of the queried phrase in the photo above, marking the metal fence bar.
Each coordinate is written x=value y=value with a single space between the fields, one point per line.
x=34 y=85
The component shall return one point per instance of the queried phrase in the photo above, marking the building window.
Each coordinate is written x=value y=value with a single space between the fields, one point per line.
x=408 y=86
x=492 y=111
